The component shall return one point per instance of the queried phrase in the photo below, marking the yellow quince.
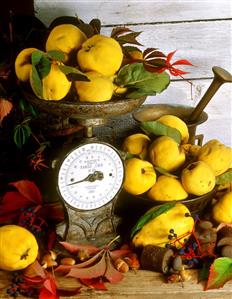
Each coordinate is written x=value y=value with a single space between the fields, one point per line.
x=23 y=64
x=136 y=144
x=166 y=153
x=216 y=155
x=198 y=178
x=140 y=176
x=99 y=89
x=18 y=248
x=101 y=54
x=55 y=86
x=66 y=38
x=167 y=188
x=157 y=230
x=222 y=210
x=177 y=123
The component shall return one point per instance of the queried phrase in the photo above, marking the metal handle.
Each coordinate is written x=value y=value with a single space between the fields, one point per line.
x=221 y=76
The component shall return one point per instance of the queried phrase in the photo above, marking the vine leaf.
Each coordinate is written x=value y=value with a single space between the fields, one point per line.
x=219 y=273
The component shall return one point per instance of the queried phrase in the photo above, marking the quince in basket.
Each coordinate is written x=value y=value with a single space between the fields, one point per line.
x=136 y=144
x=66 y=38
x=140 y=176
x=167 y=188
x=216 y=155
x=166 y=153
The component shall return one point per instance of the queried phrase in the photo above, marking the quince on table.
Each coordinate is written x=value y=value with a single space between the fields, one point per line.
x=222 y=209
x=177 y=219
x=18 y=248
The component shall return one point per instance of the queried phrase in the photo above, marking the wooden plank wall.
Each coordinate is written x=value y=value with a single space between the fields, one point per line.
x=200 y=31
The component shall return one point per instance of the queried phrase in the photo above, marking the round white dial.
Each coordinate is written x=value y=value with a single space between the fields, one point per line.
x=90 y=176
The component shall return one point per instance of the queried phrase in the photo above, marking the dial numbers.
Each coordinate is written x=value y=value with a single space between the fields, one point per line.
x=90 y=176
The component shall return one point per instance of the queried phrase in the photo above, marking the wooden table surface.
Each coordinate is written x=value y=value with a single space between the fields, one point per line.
x=140 y=285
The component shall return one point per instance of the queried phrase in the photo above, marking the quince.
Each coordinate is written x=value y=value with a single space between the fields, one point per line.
x=55 y=86
x=98 y=89
x=216 y=155
x=166 y=153
x=198 y=178
x=18 y=248
x=66 y=38
x=140 y=176
x=23 y=64
x=222 y=210
x=167 y=188
x=157 y=230
x=100 y=53
x=136 y=144
x=177 y=123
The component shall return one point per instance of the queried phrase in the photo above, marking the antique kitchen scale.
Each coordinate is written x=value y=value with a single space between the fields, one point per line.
x=90 y=175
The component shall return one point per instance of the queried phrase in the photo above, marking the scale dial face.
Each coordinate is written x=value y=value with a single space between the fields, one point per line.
x=90 y=176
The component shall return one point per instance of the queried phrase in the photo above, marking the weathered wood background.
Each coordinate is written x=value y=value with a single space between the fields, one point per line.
x=200 y=31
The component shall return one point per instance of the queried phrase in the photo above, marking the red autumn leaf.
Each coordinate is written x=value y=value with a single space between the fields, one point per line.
x=94 y=283
x=50 y=285
x=74 y=248
x=111 y=274
x=5 y=108
x=45 y=294
x=182 y=62
x=29 y=190
x=96 y=270
x=10 y=206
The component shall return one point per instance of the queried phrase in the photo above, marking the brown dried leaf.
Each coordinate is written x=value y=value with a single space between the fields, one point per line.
x=96 y=270
x=119 y=31
x=111 y=274
x=5 y=108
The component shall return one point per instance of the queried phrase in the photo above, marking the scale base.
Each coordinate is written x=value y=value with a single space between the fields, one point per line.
x=96 y=227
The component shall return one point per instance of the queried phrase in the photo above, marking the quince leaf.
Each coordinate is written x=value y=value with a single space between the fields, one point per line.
x=73 y=74
x=219 y=273
x=141 y=82
x=151 y=214
x=225 y=177
x=41 y=62
x=36 y=82
x=57 y=55
x=157 y=128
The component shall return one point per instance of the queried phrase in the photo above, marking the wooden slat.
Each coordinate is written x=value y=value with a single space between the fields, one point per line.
x=131 y=12
x=143 y=284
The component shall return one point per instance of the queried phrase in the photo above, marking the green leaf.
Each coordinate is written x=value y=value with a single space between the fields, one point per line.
x=220 y=272
x=151 y=214
x=21 y=135
x=225 y=177
x=73 y=74
x=36 y=83
x=36 y=57
x=157 y=128
x=57 y=55
x=135 y=76
x=203 y=273
x=41 y=62
x=165 y=172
